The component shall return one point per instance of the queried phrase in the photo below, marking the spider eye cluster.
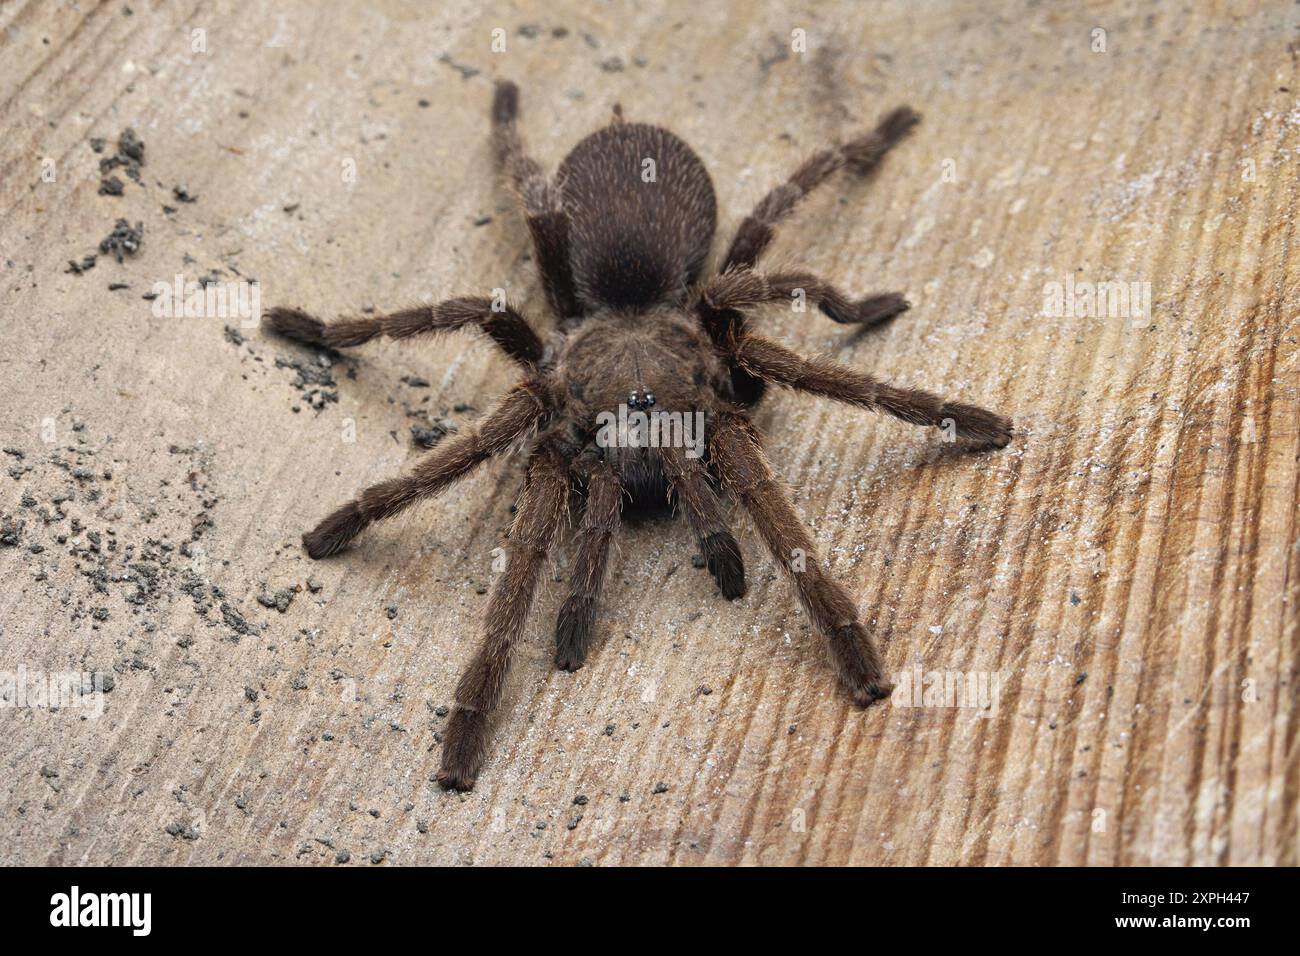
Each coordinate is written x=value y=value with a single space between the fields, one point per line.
x=640 y=400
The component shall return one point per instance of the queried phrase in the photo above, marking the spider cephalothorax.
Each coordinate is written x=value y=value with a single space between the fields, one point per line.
x=640 y=398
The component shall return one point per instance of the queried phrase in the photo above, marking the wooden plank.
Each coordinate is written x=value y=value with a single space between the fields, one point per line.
x=1128 y=568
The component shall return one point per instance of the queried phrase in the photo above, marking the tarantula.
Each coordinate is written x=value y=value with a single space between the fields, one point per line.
x=621 y=235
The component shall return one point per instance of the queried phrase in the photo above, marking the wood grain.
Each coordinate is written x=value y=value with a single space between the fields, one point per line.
x=1129 y=568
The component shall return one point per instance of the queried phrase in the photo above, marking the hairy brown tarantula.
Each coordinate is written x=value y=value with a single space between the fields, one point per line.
x=621 y=236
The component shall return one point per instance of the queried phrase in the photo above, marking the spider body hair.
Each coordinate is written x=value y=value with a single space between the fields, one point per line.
x=642 y=214
x=621 y=236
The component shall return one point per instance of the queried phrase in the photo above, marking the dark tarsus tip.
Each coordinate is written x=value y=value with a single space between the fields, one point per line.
x=873 y=310
x=859 y=666
x=297 y=325
x=863 y=154
x=573 y=632
x=505 y=102
x=449 y=780
x=984 y=429
x=722 y=557
x=333 y=534
x=869 y=693
x=897 y=122
x=464 y=743
x=882 y=308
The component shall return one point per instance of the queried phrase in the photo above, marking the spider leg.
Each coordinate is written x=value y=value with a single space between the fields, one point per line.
x=600 y=519
x=499 y=321
x=543 y=210
x=745 y=471
x=541 y=508
x=861 y=155
x=521 y=409
x=689 y=481
x=775 y=363
x=722 y=299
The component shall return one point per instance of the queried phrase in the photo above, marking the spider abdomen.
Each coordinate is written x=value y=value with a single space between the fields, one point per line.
x=641 y=215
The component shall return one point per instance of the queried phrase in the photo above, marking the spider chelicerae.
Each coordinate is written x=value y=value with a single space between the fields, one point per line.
x=621 y=235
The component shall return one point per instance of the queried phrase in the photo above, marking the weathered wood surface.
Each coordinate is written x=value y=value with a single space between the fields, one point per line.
x=1129 y=566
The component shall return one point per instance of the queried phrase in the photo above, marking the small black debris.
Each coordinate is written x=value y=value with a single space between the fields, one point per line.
x=85 y=265
x=11 y=530
x=124 y=240
x=280 y=600
x=182 y=831
x=315 y=381
x=110 y=186
x=129 y=156
x=466 y=72
x=661 y=787
x=131 y=146
x=426 y=436
x=235 y=621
